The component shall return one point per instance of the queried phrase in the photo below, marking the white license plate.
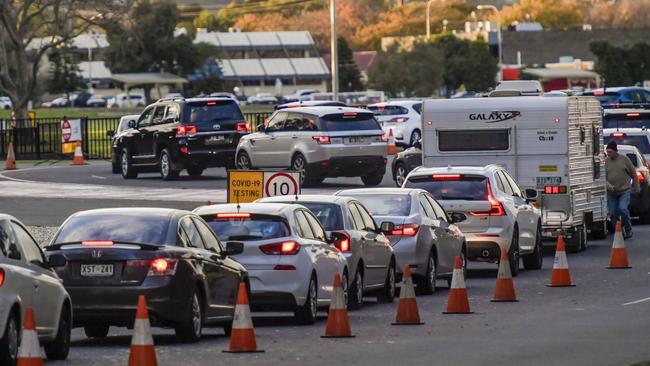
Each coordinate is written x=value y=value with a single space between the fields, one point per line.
x=544 y=181
x=216 y=140
x=358 y=140
x=96 y=270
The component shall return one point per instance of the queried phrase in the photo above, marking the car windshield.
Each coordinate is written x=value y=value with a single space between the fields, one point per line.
x=206 y=114
x=467 y=188
x=328 y=214
x=349 y=121
x=386 y=204
x=640 y=141
x=118 y=227
x=255 y=227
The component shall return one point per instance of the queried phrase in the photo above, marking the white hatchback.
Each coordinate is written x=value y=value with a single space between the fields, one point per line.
x=403 y=117
x=288 y=256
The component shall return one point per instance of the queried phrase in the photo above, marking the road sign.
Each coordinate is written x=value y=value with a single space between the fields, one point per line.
x=248 y=185
x=281 y=184
x=66 y=131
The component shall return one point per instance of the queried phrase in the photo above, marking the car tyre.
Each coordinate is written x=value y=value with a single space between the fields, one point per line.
x=427 y=284
x=127 y=168
x=372 y=180
x=115 y=164
x=400 y=174
x=355 y=295
x=167 y=171
x=536 y=258
x=306 y=314
x=195 y=171
x=243 y=161
x=387 y=294
x=10 y=341
x=299 y=164
x=189 y=331
x=96 y=330
x=60 y=347
x=513 y=253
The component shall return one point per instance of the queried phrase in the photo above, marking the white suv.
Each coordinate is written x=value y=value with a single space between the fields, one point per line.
x=497 y=214
x=403 y=117
x=318 y=142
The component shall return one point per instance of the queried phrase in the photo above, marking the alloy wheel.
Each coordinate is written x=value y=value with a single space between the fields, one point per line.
x=432 y=272
x=243 y=162
x=12 y=335
x=299 y=166
x=313 y=300
x=164 y=164
x=196 y=315
x=400 y=174
x=125 y=163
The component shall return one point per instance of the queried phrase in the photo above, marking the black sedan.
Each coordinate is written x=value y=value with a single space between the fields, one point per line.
x=405 y=161
x=171 y=256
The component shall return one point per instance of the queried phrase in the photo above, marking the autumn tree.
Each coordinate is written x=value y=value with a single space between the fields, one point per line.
x=207 y=20
x=29 y=29
x=552 y=14
x=618 y=14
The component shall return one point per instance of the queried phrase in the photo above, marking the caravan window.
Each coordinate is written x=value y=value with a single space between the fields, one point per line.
x=474 y=140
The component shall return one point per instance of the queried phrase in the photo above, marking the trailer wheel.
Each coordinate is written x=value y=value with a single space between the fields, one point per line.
x=598 y=230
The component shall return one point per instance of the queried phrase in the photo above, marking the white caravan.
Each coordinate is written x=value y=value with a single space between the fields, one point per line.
x=550 y=143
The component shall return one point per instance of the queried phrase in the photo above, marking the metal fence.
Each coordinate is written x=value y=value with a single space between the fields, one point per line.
x=42 y=139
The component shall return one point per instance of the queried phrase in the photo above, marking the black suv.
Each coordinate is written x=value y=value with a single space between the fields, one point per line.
x=176 y=134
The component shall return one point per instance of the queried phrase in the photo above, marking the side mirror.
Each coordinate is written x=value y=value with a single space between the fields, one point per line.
x=530 y=194
x=132 y=124
x=261 y=127
x=110 y=133
x=387 y=227
x=56 y=260
x=457 y=217
x=418 y=144
x=233 y=248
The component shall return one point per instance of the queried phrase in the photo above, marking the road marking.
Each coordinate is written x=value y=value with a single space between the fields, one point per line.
x=637 y=301
x=97 y=176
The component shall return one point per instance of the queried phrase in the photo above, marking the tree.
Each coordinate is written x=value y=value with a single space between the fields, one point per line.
x=29 y=29
x=621 y=65
x=552 y=14
x=207 y=20
x=65 y=76
x=145 y=42
x=349 y=75
x=481 y=67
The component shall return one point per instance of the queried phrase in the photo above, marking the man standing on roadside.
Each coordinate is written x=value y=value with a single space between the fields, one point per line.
x=620 y=175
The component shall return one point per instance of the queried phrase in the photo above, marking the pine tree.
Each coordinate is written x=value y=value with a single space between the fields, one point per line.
x=349 y=75
x=66 y=76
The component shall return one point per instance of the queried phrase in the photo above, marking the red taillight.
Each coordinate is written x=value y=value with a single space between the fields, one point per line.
x=234 y=215
x=640 y=176
x=554 y=189
x=350 y=114
x=599 y=92
x=633 y=114
x=496 y=207
x=384 y=137
x=344 y=243
x=284 y=267
x=185 y=130
x=321 y=139
x=406 y=230
x=184 y=149
x=2 y=277
x=211 y=103
x=162 y=267
x=284 y=248
x=443 y=177
x=97 y=243
x=618 y=134
x=243 y=127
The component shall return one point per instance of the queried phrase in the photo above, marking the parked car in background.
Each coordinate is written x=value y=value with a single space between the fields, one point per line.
x=491 y=210
x=311 y=103
x=79 y=100
x=622 y=97
x=367 y=250
x=96 y=101
x=639 y=203
x=423 y=236
x=403 y=117
x=60 y=102
x=299 y=96
x=318 y=142
x=290 y=261
x=173 y=135
x=121 y=101
x=122 y=126
x=170 y=256
x=5 y=103
x=27 y=280
x=262 y=98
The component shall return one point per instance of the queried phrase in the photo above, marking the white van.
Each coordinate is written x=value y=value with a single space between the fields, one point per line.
x=550 y=143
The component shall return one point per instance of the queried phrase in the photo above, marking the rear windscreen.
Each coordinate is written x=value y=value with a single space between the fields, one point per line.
x=464 y=188
x=386 y=204
x=328 y=214
x=122 y=227
x=205 y=115
x=641 y=142
x=256 y=227
x=606 y=98
x=473 y=140
x=388 y=110
x=623 y=121
x=349 y=122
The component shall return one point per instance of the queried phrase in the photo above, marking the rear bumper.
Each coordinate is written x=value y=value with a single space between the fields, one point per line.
x=350 y=166
x=406 y=251
x=278 y=290
x=206 y=158
x=486 y=246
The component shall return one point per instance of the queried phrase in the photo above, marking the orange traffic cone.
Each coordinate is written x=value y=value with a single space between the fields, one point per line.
x=11 y=158
x=392 y=148
x=505 y=288
x=560 y=277
x=30 y=350
x=458 y=303
x=338 y=325
x=407 y=309
x=142 y=349
x=242 y=338
x=78 y=155
x=618 y=257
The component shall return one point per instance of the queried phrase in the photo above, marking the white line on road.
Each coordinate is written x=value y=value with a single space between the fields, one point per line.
x=637 y=301
x=97 y=176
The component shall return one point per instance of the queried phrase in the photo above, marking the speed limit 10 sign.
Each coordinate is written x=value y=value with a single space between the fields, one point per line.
x=250 y=185
x=281 y=184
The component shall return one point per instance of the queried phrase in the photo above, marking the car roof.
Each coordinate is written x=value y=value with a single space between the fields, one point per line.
x=387 y=190
x=616 y=89
x=141 y=211
x=396 y=102
x=311 y=103
x=6 y=217
x=306 y=198
x=628 y=148
x=625 y=111
x=255 y=207
x=325 y=110
x=628 y=131
x=467 y=169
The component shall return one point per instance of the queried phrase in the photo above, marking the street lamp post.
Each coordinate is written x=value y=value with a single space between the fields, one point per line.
x=429 y=17
x=335 y=57
x=499 y=41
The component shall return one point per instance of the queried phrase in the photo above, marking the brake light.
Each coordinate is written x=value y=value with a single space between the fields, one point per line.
x=243 y=127
x=284 y=267
x=97 y=243
x=554 y=189
x=618 y=134
x=163 y=267
x=321 y=139
x=350 y=114
x=496 y=207
x=234 y=215
x=399 y=119
x=633 y=114
x=406 y=230
x=344 y=244
x=640 y=176
x=211 y=103
x=186 y=130
x=184 y=150
x=384 y=137
x=2 y=277
x=599 y=92
x=444 y=177
x=284 y=248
